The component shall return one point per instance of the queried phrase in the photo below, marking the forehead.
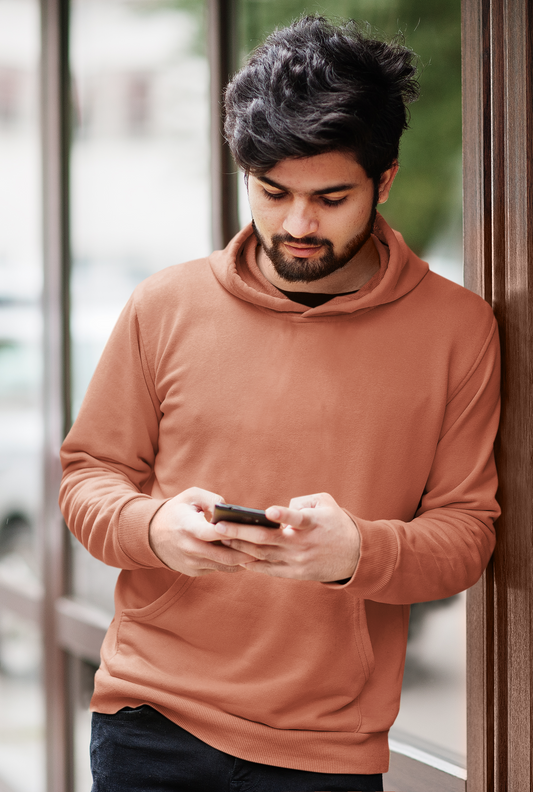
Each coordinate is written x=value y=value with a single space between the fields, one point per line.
x=321 y=172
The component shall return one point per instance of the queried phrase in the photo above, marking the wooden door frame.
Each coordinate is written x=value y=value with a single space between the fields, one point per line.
x=498 y=243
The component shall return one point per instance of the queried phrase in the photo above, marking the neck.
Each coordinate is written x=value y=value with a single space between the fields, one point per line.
x=358 y=271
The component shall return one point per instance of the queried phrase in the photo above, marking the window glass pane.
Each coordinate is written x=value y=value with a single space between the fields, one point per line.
x=139 y=174
x=82 y=675
x=21 y=710
x=425 y=205
x=20 y=284
x=434 y=686
x=22 y=760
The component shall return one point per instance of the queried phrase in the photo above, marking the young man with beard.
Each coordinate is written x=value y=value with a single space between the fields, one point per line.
x=317 y=369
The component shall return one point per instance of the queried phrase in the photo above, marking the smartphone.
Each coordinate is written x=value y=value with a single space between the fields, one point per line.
x=240 y=514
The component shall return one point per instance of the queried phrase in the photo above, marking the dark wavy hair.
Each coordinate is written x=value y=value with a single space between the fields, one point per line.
x=315 y=87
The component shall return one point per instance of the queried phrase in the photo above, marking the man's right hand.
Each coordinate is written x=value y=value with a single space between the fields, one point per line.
x=182 y=536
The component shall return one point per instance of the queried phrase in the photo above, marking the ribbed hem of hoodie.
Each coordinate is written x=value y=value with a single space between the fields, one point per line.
x=312 y=751
x=133 y=530
x=377 y=560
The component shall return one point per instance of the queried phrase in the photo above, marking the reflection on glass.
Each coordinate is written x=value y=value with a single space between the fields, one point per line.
x=22 y=761
x=433 y=707
x=20 y=283
x=82 y=675
x=425 y=205
x=139 y=175
x=21 y=697
x=82 y=739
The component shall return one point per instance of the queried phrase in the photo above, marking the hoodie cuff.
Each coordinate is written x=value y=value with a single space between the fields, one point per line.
x=377 y=558
x=133 y=530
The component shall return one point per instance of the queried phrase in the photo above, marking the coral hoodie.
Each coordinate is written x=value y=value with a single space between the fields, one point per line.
x=387 y=399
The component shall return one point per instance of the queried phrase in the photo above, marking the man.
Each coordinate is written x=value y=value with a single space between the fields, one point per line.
x=317 y=369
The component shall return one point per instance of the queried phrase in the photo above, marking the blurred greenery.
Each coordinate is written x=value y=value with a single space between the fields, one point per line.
x=425 y=203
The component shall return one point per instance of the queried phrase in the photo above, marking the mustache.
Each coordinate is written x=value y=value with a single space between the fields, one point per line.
x=309 y=240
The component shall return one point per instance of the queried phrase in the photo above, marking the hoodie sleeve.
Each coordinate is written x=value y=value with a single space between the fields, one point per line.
x=108 y=456
x=448 y=544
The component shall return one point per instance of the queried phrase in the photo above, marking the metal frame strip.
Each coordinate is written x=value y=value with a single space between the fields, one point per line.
x=55 y=121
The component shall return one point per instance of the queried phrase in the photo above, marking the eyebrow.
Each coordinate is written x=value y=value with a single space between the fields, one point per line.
x=334 y=189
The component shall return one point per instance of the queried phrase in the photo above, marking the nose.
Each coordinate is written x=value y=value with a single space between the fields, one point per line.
x=300 y=220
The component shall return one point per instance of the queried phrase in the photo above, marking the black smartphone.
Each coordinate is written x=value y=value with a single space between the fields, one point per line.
x=240 y=514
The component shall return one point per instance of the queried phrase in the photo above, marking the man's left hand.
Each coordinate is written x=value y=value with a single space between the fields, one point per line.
x=317 y=541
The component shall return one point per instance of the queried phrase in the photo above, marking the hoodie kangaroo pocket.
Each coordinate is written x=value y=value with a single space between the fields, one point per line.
x=285 y=653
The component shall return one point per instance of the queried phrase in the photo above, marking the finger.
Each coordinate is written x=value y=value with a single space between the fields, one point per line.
x=202 y=527
x=312 y=501
x=300 y=519
x=248 y=533
x=202 y=500
x=217 y=554
x=261 y=552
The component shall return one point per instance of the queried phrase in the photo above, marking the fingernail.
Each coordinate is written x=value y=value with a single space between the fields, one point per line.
x=219 y=528
x=273 y=513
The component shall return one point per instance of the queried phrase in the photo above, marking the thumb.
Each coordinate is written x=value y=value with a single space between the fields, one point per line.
x=299 y=519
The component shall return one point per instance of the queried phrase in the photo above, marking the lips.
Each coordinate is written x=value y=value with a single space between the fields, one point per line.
x=301 y=252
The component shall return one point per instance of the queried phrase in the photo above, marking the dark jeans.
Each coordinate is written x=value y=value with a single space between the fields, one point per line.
x=138 y=750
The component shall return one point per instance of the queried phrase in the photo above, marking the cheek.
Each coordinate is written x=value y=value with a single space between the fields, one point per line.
x=260 y=207
x=360 y=217
x=265 y=217
x=345 y=227
x=260 y=225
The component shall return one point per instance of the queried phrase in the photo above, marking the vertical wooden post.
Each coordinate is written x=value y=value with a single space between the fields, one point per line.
x=55 y=151
x=498 y=212
x=224 y=183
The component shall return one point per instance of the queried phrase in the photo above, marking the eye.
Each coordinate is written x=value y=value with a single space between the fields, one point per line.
x=333 y=201
x=273 y=196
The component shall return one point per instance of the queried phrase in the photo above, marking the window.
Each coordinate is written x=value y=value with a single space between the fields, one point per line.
x=22 y=734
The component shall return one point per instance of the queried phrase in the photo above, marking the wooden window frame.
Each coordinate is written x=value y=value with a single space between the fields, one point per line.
x=497 y=48
x=498 y=242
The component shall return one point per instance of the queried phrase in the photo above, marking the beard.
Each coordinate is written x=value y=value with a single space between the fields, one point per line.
x=304 y=270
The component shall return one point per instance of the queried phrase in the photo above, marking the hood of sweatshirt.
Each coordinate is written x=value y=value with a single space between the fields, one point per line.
x=399 y=273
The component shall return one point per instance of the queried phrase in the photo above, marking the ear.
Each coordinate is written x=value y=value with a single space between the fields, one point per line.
x=385 y=182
